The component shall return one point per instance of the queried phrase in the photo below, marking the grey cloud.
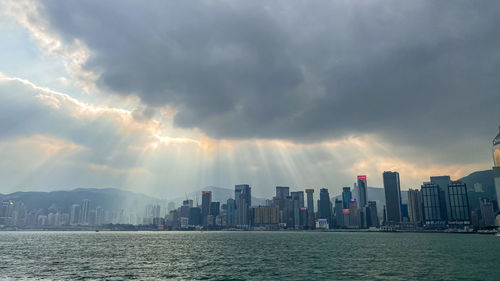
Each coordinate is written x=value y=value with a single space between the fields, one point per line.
x=26 y=111
x=411 y=71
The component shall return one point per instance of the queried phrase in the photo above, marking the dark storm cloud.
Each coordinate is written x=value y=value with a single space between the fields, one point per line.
x=421 y=71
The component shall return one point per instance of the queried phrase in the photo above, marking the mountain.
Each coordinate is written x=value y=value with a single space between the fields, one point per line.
x=219 y=194
x=484 y=180
x=108 y=198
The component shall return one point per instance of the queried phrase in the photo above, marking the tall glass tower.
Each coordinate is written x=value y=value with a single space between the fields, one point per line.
x=496 y=150
x=496 y=166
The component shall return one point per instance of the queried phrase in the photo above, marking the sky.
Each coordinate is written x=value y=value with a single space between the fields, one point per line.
x=166 y=97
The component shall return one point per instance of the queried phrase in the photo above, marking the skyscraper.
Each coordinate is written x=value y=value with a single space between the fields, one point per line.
x=496 y=166
x=231 y=212
x=415 y=206
x=325 y=206
x=432 y=206
x=459 y=214
x=298 y=208
x=282 y=192
x=243 y=198
x=243 y=191
x=371 y=215
x=346 y=197
x=310 y=208
x=206 y=199
x=85 y=212
x=363 y=190
x=75 y=214
x=310 y=200
x=392 y=196
x=487 y=213
x=443 y=182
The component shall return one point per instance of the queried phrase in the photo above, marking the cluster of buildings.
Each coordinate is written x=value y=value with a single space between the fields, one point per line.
x=439 y=204
x=16 y=214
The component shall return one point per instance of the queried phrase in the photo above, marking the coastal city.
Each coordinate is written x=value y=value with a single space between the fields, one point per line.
x=441 y=204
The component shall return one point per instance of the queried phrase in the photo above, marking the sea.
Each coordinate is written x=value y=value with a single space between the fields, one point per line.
x=247 y=256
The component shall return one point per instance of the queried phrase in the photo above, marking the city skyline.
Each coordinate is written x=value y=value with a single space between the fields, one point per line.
x=147 y=98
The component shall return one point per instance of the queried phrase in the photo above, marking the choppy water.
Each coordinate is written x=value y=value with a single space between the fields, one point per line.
x=248 y=255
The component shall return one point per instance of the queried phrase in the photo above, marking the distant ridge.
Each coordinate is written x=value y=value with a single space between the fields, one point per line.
x=108 y=198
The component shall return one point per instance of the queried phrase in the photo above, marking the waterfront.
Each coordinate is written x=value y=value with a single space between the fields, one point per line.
x=248 y=255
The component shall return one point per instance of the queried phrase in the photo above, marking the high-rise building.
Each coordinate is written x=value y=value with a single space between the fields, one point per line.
x=310 y=208
x=282 y=192
x=432 y=206
x=85 y=212
x=206 y=199
x=187 y=202
x=264 y=215
x=459 y=213
x=194 y=216
x=75 y=214
x=487 y=213
x=363 y=191
x=415 y=206
x=310 y=200
x=231 y=212
x=371 y=215
x=496 y=166
x=346 y=197
x=337 y=208
x=392 y=196
x=99 y=215
x=443 y=182
x=354 y=214
x=299 y=210
x=243 y=198
x=324 y=206
x=243 y=191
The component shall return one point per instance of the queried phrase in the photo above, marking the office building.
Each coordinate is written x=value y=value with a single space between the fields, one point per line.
x=324 y=205
x=443 y=182
x=310 y=208
x=265 y=215
x=299 y=210
x=415 y=206
x=231 y=212
x=206 y=199
x=487 y=213
x=459 y=213
x=243 y=191
x=363 y=191
x=243 y=198
x=85 y=212
x=282 y=193
x=392 y=191
x=310 y=200
x=75 y=214
x=496 y=167
x=337 y=209
x=346 y=197
x=371 y=215
x=194 y=216
x=431 y=203
x=187 y=202
x=354 y=214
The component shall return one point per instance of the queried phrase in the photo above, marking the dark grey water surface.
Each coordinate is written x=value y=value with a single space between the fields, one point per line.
x=248 y=255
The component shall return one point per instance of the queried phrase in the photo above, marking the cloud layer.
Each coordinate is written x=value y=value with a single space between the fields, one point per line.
x=283 y=92
x=297 y=70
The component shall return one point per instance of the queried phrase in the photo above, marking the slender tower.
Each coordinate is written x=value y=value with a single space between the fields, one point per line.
x=496 y=165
